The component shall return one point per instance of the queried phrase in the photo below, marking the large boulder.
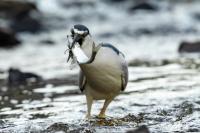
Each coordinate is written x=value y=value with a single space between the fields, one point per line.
x=25 y=22
x=143 y=6
x=115 y=1
x=14 y=7
x=141 y=129
x=189 y=47
x=8 y=38
x=77 y=3
x=17 y=77
x=23 y=15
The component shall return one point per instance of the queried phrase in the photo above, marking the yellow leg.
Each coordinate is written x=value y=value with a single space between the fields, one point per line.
x=103 y=110
x=89 y=106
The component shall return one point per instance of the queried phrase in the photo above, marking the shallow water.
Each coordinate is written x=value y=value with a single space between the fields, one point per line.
x=163 y=96
x=164 y=100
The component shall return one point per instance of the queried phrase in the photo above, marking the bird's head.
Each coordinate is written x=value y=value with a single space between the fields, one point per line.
x=82 y=44
x=79 y=33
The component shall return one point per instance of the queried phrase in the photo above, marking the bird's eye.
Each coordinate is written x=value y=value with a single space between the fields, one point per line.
x=85 y=33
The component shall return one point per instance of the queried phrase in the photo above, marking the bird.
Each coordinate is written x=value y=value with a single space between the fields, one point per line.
x=104 y=75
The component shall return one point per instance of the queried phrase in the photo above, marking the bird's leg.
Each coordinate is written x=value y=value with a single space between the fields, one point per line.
x=89 y=106
x=103 y=110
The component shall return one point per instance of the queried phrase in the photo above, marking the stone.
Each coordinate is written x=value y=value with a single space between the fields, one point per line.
x=189 y=47
x=17 y=77
x=15 y=7
x=144 y=6
x=141 y=129
x=8 y=38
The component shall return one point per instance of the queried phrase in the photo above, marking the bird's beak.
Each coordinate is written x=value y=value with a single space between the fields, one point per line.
x=76 y=38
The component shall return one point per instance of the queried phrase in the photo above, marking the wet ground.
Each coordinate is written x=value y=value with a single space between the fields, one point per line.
x=163 y=90
x=166 y=98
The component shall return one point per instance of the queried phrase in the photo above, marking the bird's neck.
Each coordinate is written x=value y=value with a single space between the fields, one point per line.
x=87 y=46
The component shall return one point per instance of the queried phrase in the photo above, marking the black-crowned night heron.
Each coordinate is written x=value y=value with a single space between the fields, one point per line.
x=104 y=72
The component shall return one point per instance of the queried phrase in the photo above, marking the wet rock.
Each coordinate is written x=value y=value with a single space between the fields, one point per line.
x=81 y=130
x=184 y=109
x=150 y=63
x=162 y=112
x=77 y=3
x=189 y=63
x=138 y=62
x=189 y=47
x=166 y=29
x=2 y=123
x=21 y=15
x=193 y=130
x=8 y=38
x=132 y=118
x=66 y=128
x=58 y=127
x=196 y=16
x=106 y=122
x=115 y=1
x=14 y=7
x=143 y=31
x=26 y=22
x=16 y=77
x=71 y=80
x=107 y=35
x=39 y=116
x=162 y=29
x=48 y=42
x=143 y=6
x=141 y=129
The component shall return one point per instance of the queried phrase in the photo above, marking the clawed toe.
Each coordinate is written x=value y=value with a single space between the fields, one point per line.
x=101 y=116
x=88 y=116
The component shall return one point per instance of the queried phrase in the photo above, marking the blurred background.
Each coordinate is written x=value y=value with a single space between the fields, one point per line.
x=160 y=40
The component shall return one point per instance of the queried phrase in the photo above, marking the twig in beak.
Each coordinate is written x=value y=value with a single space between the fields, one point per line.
x=69 y=49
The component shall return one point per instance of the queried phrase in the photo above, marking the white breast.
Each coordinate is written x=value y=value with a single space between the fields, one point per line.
x=79 y=54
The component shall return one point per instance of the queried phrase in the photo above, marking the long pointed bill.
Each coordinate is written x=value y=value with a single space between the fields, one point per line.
x=81 y=57
x=76 y=38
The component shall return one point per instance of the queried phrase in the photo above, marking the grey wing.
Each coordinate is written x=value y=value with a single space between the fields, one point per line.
x=82 y=81
x=124 y=76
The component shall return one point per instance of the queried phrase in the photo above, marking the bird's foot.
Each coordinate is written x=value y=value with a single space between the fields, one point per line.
x=101 y=116
x=88 y=116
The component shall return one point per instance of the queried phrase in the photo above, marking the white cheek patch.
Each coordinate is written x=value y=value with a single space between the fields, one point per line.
x=78 y=32
x=81 y=57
